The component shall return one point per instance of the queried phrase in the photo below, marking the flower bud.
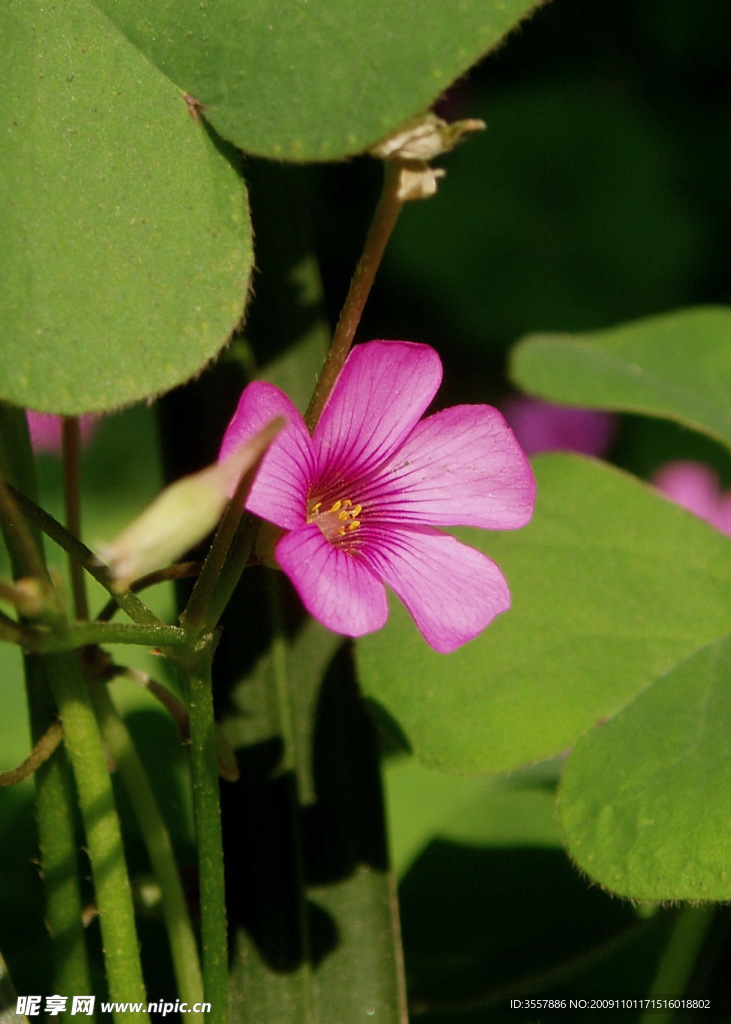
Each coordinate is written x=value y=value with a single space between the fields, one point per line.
x=184 y=513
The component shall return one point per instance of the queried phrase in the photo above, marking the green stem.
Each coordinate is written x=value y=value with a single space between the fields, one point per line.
x=236 y=562
x=195 y=672
x=72 y=635
x=679 y=959
x=156 y=837
x=384 y=221
x=54 y=794
x=127 y=601
x=178 y=571
x=72 y=496
x=102 y=831
x=56 y=814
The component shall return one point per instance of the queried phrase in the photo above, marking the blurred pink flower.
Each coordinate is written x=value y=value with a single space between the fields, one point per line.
x=696 y=487
x=45 y=431
x=543 y=427
x=360 y=499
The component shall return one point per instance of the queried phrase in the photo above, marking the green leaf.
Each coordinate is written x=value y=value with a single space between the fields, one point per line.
x=126 y=243
x=424 y=804
x=677 y=365
x=646 y=799
x=314 y=81
x=611 y=586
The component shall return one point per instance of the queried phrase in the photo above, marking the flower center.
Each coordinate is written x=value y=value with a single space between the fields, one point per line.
x=340 y=520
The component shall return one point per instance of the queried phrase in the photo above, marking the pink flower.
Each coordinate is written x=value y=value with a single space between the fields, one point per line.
x=695 y=487
x=45 y=431
x=361 y=497
x=544 y=427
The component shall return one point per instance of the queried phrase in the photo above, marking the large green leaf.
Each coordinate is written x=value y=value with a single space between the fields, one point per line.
x=646 y=799
x=316 y=80
x=611 y=586
x=126 y=246
x=677 y=365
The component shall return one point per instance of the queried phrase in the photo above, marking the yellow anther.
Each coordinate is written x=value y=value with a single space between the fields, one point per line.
x=347 y=502
x=354 y=525
x=343 y=515
x=316 y=506
x=356 y=511
x=336 y=506
x=341 y=531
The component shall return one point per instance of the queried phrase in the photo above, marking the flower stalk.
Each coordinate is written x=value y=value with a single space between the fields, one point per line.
x=384 y=221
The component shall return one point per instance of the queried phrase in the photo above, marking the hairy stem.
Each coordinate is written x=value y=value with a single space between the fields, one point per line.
x=159 y=847
x=56 y=814
x=127 y=601
x=54 y=791
x=72 y=635
x=101 y=827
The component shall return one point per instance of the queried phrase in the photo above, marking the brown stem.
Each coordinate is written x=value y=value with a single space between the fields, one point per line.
x=71 y=445
x=27 y=555
x=384 y=220
x=38 y=756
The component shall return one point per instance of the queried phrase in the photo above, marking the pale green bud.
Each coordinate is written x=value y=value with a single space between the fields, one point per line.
x=184 y=513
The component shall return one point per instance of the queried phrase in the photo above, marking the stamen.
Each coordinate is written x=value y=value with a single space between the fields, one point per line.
x=339 y=520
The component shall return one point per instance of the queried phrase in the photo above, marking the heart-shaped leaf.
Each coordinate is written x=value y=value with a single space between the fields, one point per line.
x=611 y=586
x=646 y=799
x=677 y=365
x=126 y=244
x=317 y=80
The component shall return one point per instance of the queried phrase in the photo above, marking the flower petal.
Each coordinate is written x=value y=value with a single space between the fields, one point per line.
x=383 y=389
x=452 y=591
x=460 y=467
x=336 y=587
x=279 y=491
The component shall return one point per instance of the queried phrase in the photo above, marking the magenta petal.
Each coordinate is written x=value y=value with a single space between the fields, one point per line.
x=383 y=389
x=335 y=587
x=460 y=467
x=452 y=591
x=279 y=492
